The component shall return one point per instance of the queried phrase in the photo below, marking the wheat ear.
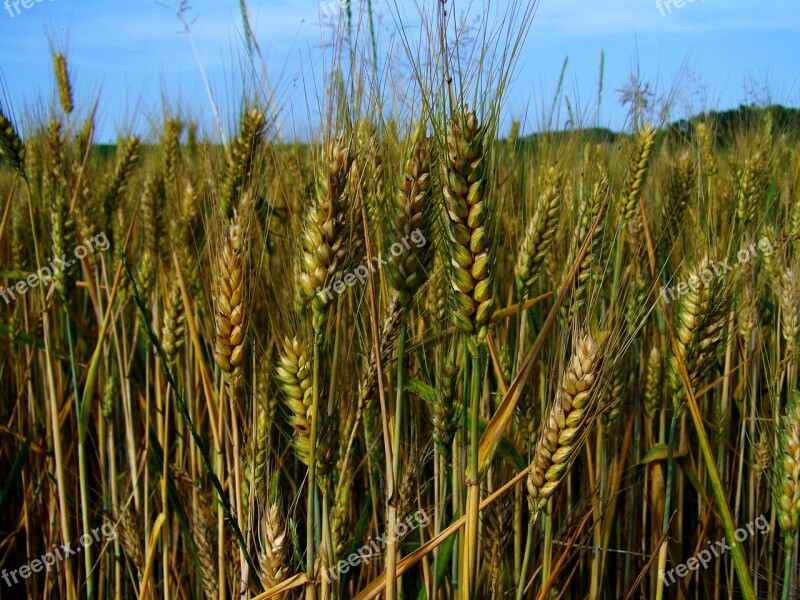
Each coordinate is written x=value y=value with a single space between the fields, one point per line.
x=274 y=555
x=62 y=223
x=173 y=324
x=700 y=328
x=708 y=146
x=240 y=162
x=637 y=171
x=64 y=85
x=749 y=180
x=681 y=191
x=12 y=149
x=206 y=560
x=231 y=324
x=564 y=429
x=787 y=475
x=118 y=182
x=790 y=309
x=129 y=538
x=324 y=238
x=172 y=135
x=653 y=396
x=592 y=260
x=409 y=268
x=469 y=224
x=295 y=377
x=540 y=233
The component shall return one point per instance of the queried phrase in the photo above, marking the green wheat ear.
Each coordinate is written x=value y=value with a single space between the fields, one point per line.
x=637 y=171
x=700 y=328
x=12 y=149
x=540 y=233
x=787 y=470
x=241 y=162
x=64 y=84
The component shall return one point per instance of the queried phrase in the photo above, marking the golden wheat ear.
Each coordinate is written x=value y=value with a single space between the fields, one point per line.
x=274 y=557
x=565 y=427
x=231 y=324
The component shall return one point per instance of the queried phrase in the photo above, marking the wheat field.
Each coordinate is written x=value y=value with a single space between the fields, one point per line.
x=416 y=356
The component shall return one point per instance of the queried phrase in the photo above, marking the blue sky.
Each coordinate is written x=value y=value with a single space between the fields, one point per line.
x=134 y=54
